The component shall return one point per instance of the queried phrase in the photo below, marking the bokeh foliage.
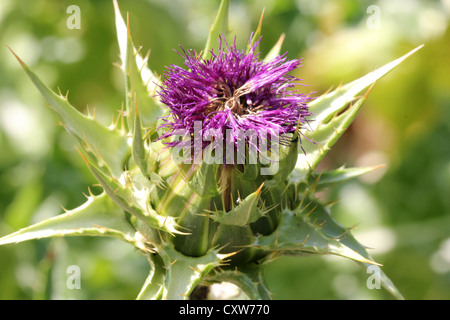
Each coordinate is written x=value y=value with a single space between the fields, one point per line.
x=402 y=211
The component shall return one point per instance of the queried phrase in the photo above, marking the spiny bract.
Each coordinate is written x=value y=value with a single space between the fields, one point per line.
x=208 y=221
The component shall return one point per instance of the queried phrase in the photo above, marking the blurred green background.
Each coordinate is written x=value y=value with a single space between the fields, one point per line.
x=401 y=211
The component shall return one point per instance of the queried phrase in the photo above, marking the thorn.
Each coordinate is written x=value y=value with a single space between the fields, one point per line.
x=223 y=263
x=147 y=134
x=86 y=143
x=62 y=124
x=17 y=57
x=145 y=60
x=354 y=226
x=306 y=215
x=196 y=270
x=84 y=158
x=128 y=26
x=330 y=89
x=261 y=19
x=379 y=166
x=146 y=208
x=322 y=224
x=258 y=191
x=316 y=182
x=341 y=236
x=137 y=51
x=280 y=40
x=173 y=262
x=218 y=267
x=119 y=116
x=304 y=241
x=117 y=65
x=284 y=190
x=160 y=236
x=102 y=229
x=99 y=156
x=272 y=207
x=332 y=202
x=131 y=200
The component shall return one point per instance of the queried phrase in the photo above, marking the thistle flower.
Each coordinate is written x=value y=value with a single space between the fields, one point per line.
x=211 y=223
x=233 y=91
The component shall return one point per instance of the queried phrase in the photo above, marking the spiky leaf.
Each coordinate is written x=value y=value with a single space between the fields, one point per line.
x=309 y=229
x=249 y=279
x=219 y=26
x=246 y=212
x=203 y=180
x=153 y=288
x=275 y=51
x=183 y=273
x=108 y=147
x=334 y=112
x=138 y=147
x=140 y=82
x=321 y=180
x=98 y=216
x=135 y=201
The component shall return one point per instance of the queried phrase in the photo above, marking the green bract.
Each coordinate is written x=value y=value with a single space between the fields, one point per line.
x=173 y=213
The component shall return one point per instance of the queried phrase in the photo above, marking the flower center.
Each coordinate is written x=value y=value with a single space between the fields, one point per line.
x=227 y=98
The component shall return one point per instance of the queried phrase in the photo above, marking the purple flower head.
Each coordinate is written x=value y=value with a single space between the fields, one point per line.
x=232 y=93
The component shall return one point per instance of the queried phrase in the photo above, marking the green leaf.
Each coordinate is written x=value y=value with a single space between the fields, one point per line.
x=196 y=243
x=312 y=231
x=287 y=156
x=328 y=105
x=257 y=34
x=324 y=137
x=139 y=79
x=98 y=216
x=249 y=279
x=184 y=273
x=246 y=212
x=107 y=146
x=320 y=180
x=219 y=26
x=309 y=229
x=203 y=179
x=275 y=51
x=138 y=146
x=333 y=113
x=136 y=203
x=153 y=288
